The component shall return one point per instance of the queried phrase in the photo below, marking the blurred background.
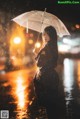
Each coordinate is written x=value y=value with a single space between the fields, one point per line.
x=17 y=65
x=15 y=42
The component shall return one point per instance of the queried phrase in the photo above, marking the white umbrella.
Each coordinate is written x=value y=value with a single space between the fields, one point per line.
x=38 y=20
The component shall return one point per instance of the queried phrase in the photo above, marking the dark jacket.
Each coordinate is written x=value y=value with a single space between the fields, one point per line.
x=47 y=58
x=46 y=86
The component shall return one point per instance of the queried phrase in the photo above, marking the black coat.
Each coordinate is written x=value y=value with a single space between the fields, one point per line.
x=46 y=87
x=47 y=58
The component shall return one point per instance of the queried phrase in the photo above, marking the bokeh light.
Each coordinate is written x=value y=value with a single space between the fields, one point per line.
x=17 y=40
x=77 y=26
x=30 y=41
x=37 y=44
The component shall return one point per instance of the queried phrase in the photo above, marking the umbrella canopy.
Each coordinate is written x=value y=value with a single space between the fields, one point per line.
x=38 y=20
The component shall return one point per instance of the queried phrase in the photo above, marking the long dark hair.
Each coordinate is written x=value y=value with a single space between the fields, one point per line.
x=51 y=31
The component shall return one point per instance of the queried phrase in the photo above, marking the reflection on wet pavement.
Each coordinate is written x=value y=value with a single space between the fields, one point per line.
x=17 y=86
x=68 y=84
x=17 y=92
x=78 y=73
x=71 y=87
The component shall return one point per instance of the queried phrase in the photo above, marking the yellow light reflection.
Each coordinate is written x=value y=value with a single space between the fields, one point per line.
x=20 y=82
x=20 y=93
x=78 y=72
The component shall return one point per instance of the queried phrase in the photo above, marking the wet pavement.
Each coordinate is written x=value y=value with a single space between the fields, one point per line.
x=71 y=80
x=17 y=91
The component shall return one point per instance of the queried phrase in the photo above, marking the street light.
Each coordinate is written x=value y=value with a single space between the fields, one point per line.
x=38 y=45
x=17 y=40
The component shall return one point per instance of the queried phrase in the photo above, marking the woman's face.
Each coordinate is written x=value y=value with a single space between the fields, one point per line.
x=45 y=37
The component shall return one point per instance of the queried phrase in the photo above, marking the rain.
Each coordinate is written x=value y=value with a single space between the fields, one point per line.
x=17 y=59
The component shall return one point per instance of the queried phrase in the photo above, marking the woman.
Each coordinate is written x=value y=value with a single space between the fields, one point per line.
x=47 y=85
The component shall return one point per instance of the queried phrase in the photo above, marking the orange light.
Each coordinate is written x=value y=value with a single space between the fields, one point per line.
x=30 y=41
x=38 y=45
x=77 y=26
x=20 y=92
x=17 y=40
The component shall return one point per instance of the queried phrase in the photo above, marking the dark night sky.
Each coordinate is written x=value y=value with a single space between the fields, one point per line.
x=67 y=13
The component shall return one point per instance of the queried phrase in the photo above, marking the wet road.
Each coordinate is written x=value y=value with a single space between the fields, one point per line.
x=17 y=91
x=71 y=81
